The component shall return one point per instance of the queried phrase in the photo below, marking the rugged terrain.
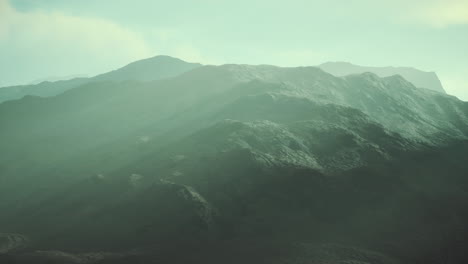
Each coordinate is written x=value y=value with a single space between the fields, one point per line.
x=164 y=161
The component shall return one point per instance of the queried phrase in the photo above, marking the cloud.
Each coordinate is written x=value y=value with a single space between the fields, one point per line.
x=441 y=14
x=66 y=41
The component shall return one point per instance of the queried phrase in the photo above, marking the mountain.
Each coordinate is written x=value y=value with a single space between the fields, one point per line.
x=57 y=78
x=105 y=112
x=156 y=68
x=159 y=67
x=236 y=164
x=420 y=79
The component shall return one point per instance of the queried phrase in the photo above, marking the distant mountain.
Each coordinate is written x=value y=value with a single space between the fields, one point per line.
x=151 y=69
x=420 y=79
x=156 y=68
x=161 y=67
x=259 y=163
x=57 y=78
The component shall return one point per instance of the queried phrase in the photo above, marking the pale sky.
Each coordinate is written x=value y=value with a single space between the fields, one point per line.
x=50 y=38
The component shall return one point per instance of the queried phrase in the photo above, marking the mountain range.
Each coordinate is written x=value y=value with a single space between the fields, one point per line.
x=164 y=161
x=161 y=67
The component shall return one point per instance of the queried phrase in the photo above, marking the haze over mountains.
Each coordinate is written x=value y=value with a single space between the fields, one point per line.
x=151 y=69
x=164 y=161
x=161 y=67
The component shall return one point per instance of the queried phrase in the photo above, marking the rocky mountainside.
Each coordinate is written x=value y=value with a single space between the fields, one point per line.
x=236 y=163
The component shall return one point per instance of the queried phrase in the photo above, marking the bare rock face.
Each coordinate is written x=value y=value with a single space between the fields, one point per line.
x=198 y=204
x=12 y=242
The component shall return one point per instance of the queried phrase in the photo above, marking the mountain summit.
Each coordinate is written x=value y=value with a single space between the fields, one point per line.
x=151 y=69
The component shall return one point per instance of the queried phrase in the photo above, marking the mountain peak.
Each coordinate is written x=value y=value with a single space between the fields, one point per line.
x=150 y=69
x=159 y=59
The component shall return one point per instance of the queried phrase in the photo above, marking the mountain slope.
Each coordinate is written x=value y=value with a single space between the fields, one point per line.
x=109 y=117
x=392 y=101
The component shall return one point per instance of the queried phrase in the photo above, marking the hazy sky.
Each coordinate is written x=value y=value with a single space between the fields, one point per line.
x=48 y=38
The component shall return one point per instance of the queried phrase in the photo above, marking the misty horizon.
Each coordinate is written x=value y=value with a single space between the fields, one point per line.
x=429 y=35
x=337 y=68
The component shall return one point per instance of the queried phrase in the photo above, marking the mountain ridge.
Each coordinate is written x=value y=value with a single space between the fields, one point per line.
x=421 y=79
x=163 y=66
x=154 y=68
